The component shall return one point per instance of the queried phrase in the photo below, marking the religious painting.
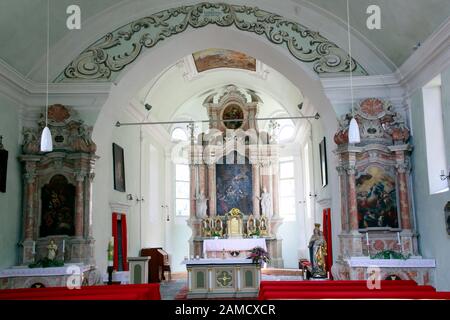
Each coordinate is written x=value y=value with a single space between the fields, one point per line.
x=58 y=208
x=377 y=199
x=447 y=217
x=3 y=167
x=234 y=188
x=323 y=162
x=119 y=168
x=221 y=58
x=233 y=116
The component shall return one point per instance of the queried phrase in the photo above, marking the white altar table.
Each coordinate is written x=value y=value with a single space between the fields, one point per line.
x=228 y=245
x=222 y=278
x=391 y=263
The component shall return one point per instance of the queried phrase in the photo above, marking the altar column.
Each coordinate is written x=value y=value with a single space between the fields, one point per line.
x=275 y=183
x=403 y=196
x=351 y=197
x=212 y=189
x=30 y=179
x=192 y=195
x=256 y=189
x=79 y=178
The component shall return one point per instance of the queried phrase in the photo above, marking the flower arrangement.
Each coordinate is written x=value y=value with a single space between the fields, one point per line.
x=259 y=255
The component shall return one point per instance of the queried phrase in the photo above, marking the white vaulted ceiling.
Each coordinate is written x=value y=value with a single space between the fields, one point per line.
x=404 y=24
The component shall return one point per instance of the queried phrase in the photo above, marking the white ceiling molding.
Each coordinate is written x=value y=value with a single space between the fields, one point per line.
x=431 y=58
x=32 y=95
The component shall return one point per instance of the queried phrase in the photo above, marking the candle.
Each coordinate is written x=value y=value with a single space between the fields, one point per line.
x=398 y=238
x=367 y=238
x=34 y=247
x=64 y=246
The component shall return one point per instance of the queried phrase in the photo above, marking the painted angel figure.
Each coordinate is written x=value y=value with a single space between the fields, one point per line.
x=201 y=205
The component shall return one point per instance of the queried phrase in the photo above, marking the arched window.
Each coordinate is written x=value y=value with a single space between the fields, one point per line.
x=179 y=134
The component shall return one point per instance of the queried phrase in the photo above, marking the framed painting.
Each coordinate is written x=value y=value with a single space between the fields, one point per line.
x=3 y=168
x=119 y=168
x=323 y=162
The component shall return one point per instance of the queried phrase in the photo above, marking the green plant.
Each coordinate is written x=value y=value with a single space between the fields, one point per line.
x=390 y=254
x=46 y=263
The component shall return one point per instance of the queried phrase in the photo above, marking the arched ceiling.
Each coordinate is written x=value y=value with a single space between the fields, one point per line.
x=179 y=92
x=404 y=24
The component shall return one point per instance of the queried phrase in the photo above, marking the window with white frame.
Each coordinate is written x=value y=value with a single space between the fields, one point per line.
x=434 y=135
x=287 y=187
x=182 y=186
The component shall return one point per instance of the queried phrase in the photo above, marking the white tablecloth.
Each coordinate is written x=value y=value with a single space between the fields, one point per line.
x=233 y=244
x=391 y=263
x=217 y=261
x=40 y=272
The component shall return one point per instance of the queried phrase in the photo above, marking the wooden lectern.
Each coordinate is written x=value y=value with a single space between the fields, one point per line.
x=159 y=262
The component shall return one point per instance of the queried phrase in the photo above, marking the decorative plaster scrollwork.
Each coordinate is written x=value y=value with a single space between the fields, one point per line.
x=112 y=53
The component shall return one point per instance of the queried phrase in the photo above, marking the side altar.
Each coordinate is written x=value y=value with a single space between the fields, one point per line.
x=234 y=166
x=376 y=207
x=222 y=278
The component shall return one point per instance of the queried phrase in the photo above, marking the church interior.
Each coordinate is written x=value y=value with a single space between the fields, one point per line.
x=256 y=149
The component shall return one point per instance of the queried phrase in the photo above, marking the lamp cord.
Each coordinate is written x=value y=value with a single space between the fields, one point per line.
x=48 y=49
x=350 y=54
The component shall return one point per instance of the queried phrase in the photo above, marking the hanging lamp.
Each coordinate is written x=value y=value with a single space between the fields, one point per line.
x=353 y=130
x=46 y=137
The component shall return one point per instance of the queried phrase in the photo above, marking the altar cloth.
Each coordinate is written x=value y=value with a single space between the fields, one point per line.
x=24 y=271
x=233 y=244
x=391 y=263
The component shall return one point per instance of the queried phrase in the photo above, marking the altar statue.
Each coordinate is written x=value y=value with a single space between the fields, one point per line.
x=207 y=226
x=251 y=226
x=52 y=248
x=266 y=203
x=218 y=228
x=201 y=205
x=318 y=252
x=263 y=226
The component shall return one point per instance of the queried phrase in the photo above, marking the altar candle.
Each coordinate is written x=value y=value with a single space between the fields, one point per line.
x=64 y=246
x=398 y=238
x=34 y=247
x=367 y=238
x=111 y=252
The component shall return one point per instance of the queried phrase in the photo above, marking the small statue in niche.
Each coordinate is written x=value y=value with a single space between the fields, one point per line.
x=263 y=226
x=52 y=249
x=266 y=203
x=318 y=252
x=218 y=228
x=201 y=205
x=251 y=226
x=207 y=225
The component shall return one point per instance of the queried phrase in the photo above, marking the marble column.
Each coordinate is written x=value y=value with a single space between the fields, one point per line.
x=30 y=180
x=403 y=196
x=351 y=198
x=79 y=192
x=275 y=183
x=343 y=192
x=192 y=195
x=212 y=189
x=256 y=189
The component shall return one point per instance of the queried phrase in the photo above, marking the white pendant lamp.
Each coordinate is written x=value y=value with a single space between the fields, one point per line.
x=353 y=130
x=46 y=137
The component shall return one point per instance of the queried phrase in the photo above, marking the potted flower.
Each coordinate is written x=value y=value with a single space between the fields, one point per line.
x=259 y=255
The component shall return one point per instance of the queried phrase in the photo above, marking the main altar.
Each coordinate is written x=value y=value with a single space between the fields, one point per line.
x=234 y=178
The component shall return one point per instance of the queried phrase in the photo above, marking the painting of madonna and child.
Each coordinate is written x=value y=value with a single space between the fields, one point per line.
x=377 y=199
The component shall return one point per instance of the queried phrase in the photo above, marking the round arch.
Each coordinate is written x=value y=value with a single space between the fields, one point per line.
x=149 y=65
